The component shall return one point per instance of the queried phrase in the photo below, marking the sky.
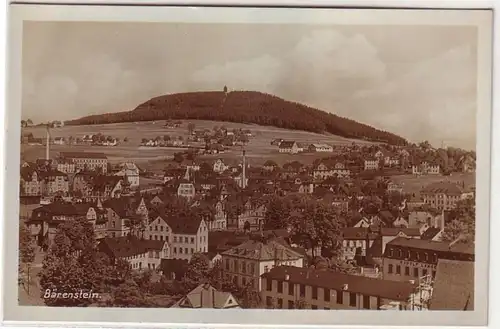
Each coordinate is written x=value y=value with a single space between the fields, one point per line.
x=415 y=81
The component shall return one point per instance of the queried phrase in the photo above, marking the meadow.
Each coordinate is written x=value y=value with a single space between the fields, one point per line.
x=258 y=150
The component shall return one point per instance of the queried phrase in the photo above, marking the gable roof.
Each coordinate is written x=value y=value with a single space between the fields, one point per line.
x=286 y=144
x=262 y=250
x=453 y=286
x=206 y=296
x=430 y=233
x=393 y=290
x=127 y=246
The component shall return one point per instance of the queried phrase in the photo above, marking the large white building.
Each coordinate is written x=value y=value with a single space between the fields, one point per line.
x=245 y=263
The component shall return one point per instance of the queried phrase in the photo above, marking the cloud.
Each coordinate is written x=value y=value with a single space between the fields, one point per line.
x=323 y=60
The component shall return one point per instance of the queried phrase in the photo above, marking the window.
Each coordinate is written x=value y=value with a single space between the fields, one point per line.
x=366 y=302
x=314 y=292
x=352 y=299
x=424 y=272
x=415 y=272
x=280 y=287
x=290 y=288
x=161 y=228
x=227 y=264
x=433 y=274
x=302 y=290
x=340 y=297
x=314 y=307
x=391 y=253
x=175 y=250
x=156 y=228
x=192 y=240
x=180 y=250
x=269 y=285
x=407 y=271
x=426 y=257
x=192 y=250
x=390 y=268
x=269 y=301
x=290 y=305
x=266 y=269
x=166 y=238
x=243 y=267
x=398 y=269
x=175 y=239
x=185 y=250
x=150 y=237
x=280 y=302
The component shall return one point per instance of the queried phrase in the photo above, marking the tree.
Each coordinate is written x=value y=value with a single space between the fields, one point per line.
x=197 y=272
x=26 y=256
x=128 y=294
x=178 y=157
x=277 y=213
x=191 y=126
x=463 y=223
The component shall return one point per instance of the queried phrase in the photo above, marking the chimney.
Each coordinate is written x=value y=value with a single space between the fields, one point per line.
x=244 y=176
x=47 y=147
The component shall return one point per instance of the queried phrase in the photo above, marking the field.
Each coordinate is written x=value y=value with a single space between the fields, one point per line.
x=258 y=150
x=413 y=184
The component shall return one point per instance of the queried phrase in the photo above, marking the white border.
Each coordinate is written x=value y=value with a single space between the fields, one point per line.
x=248 y=15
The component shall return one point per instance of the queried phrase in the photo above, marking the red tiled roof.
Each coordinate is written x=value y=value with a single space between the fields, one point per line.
x=393 y=290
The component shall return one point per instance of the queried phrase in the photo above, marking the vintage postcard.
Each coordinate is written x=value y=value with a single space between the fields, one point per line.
x=200 y=165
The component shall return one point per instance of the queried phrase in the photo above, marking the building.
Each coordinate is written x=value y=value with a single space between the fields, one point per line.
x=252 y=215
x=245 y=263
x=410 y=259
x=87 y=160
x=131 y=172
x=356 y=241
x=288 y=287
x=371 y=164
x=442 y=195
x=206 y=296
x=426 y=168
x=186 y=236
x=388 y=234
x=289 y=147
x=324 y=170
x=219 y=166
x=31 y=182
x=320 y=148
x=186 y=190
x=394 y=188
x=139 y=253
x=66 y=167
x=59 y=141
x=453 y=286
x=55 y=182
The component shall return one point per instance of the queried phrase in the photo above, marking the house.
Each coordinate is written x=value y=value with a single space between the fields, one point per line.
x=219 y=166
x=288 y=147
x=59 y=141
x=371 y=164
x=324 y=170
x=442 y=195
x=426 y=168
x=252 y=215
x=245 y=263
x=45 y=219
x=388 y=234
x=130 y=171
x=31 y=182
x=411 y=259
x=394 y=188
x=93 y=187
x=356 y=241
x=139 y=253
x=186 y=190
x=185 y=236
x=288 y=287
x=453 y=286
x=220 y=218
x=206 y=296
x=432 y=234
x=320 y=148
x=110 y=142
x=87 y=160
x=67 y=167
x=55 y=182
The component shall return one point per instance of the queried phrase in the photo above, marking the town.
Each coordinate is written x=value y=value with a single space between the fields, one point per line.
x=364 y=226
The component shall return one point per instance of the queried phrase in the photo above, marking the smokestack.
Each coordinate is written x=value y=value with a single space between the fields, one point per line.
x=47 y=147
x=244 y=176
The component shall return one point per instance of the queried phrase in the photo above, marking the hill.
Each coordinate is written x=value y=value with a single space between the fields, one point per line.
x=244 y=107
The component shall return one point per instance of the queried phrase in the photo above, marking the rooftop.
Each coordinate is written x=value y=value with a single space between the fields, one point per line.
x=81 y=155
x=433 y=245
x=453 y=286
x=393 y=290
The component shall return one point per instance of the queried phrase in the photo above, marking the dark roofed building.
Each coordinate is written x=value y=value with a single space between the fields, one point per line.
x=453 y=286
x=411 y=259
x=325 y=289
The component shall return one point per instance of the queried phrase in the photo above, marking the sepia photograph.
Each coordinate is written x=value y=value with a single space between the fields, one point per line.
x=190 y=163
